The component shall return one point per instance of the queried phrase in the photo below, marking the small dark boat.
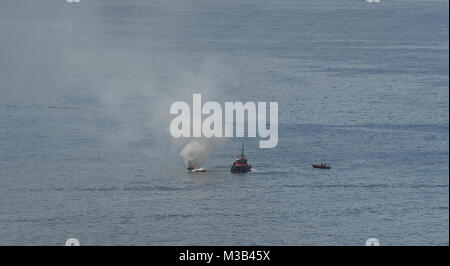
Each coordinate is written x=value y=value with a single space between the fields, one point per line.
x=240 y=165
x=321 y=166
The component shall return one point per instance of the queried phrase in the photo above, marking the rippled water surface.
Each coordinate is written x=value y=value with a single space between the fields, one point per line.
x=85 y=149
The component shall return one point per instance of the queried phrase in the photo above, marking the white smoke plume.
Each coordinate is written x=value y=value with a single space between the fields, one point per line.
x=196 y=152
x=122 y=87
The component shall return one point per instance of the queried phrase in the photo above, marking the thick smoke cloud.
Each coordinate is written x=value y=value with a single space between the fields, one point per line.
x=197 y=151
x=194 y=154
x=119 y=76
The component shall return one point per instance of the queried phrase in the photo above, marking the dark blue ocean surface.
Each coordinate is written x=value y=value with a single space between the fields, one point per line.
x=85 y=149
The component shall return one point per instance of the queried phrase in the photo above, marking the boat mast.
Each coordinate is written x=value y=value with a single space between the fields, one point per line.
x=242 y=151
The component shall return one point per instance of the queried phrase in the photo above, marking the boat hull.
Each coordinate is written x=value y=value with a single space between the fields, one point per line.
x=321 y=166
x=196 y=170
x=240 y=169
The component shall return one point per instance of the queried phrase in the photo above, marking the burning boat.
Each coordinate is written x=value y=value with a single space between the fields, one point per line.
x=240 y=165
x=196 y=169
